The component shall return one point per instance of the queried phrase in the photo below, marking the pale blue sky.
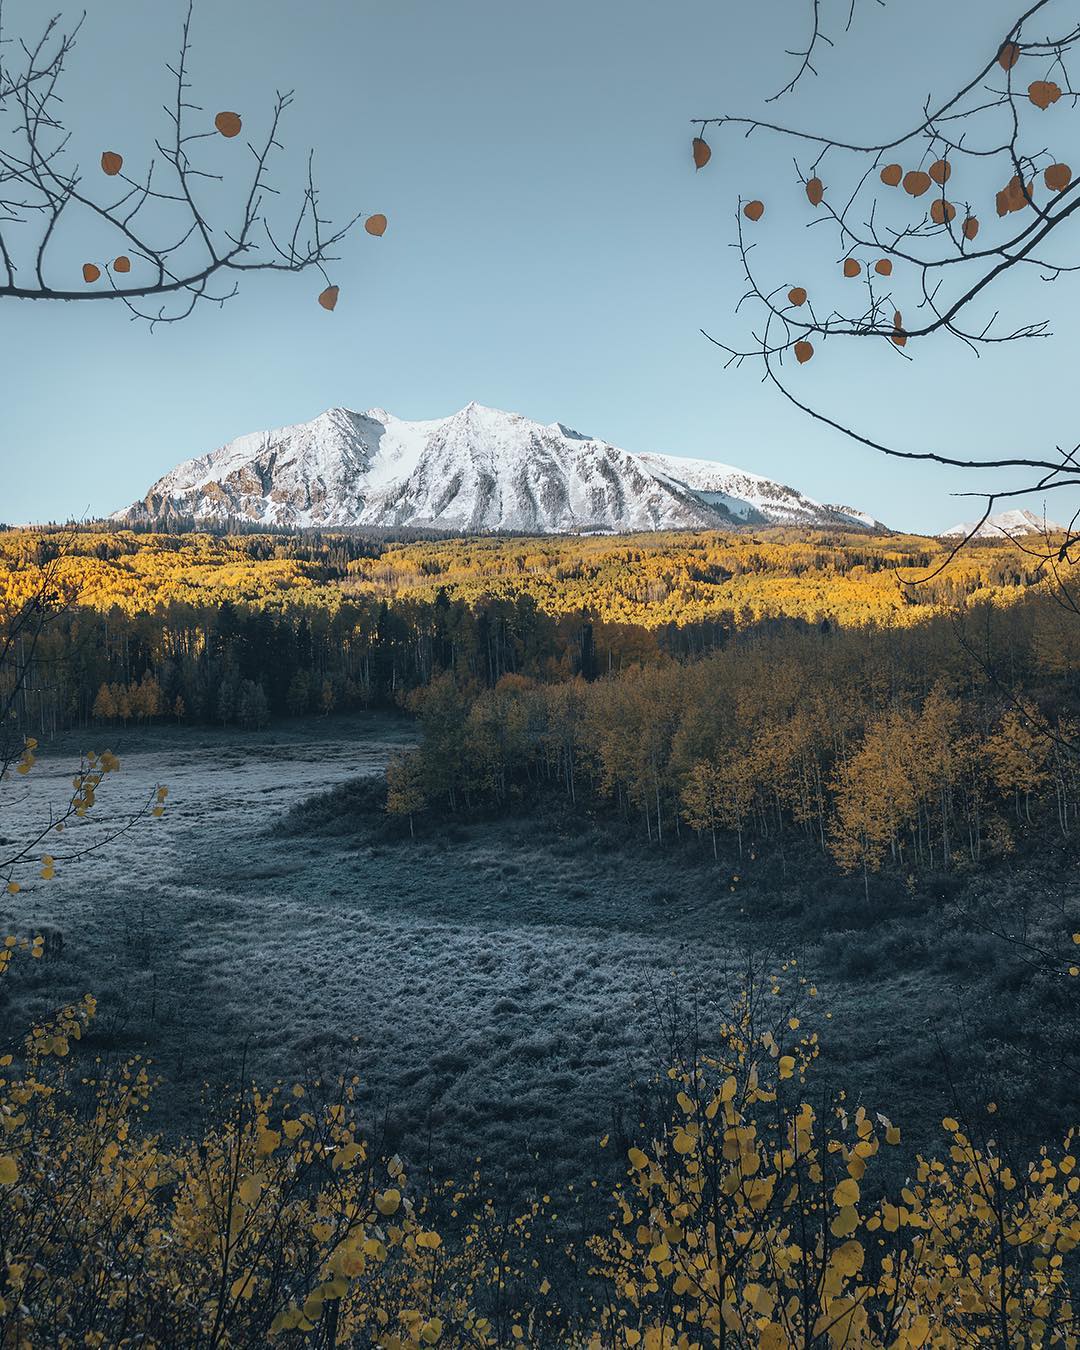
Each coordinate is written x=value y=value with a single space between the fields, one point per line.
x=550 y=251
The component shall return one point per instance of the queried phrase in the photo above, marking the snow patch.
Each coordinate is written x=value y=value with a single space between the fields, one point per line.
x=1005 y=524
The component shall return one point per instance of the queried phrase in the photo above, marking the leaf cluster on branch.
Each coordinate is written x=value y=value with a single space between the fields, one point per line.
x=172 y=238
x=925 y=223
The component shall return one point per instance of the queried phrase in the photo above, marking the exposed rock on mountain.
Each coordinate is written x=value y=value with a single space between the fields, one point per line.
x=478 y=470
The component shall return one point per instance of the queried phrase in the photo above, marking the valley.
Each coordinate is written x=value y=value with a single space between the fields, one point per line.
x=504 y=991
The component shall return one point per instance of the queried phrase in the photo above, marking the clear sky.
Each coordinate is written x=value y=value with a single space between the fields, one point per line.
x=551 y=250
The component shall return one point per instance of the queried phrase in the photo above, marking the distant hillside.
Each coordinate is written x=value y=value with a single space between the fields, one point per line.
x=1006 y=524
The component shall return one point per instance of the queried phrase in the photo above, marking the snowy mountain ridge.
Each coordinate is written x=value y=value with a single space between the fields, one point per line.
x=478 y=470
x=1006 y=524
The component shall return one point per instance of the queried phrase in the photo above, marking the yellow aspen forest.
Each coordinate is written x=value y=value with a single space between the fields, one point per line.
x=648 y=580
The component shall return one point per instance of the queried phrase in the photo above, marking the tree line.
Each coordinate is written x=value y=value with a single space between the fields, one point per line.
x=880 y=748
x=238 y=629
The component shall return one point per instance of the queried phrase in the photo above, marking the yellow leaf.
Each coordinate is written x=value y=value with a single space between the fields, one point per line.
x=242 y=1287
x=250 y=1190
x=848 y=1258
x=845 y=1223
x=267 y=1142
x=388 y=1202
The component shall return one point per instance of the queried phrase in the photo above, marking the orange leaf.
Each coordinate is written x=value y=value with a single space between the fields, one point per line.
x=815 y=191
x=228 y=123
x=111 y=163
x=1012 y=196
x=754 y=210
x=971 y=227
x=941 y=211
x=916 y=182
x=797 y=295
x=375 y=225
x=122 y=264
x=852 y=267
x=1008 y=55
x=1058 y=177
x=883 y=267
x=90 y=273
x=803 y=351
x=328 y=298
x=891 y=175
x=897 y=319
x=702 y=152
x=939 y=171
x=899 y=338
x=1044 y=92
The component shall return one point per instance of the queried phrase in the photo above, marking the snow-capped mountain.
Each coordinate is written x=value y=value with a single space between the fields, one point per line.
x=1005 y=523
x=478 y=470
x=747 y=497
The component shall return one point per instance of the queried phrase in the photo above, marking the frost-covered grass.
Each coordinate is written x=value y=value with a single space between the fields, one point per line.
x=498 y=986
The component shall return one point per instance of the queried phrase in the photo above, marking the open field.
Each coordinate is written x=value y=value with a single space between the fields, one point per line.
x=497 y=986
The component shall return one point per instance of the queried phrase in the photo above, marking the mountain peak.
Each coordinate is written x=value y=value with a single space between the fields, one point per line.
x=480 y=469
x=1005 y=524
x=480 y=412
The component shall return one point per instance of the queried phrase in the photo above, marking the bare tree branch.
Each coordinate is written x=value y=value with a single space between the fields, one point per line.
x=897 y=254
x=166 y=240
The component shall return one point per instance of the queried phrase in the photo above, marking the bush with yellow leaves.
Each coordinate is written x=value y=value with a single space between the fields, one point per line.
x=277 y=1221
x=745 y=1222
x=279 y=1224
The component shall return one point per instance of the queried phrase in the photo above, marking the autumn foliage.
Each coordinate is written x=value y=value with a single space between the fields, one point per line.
x=751 y=1216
